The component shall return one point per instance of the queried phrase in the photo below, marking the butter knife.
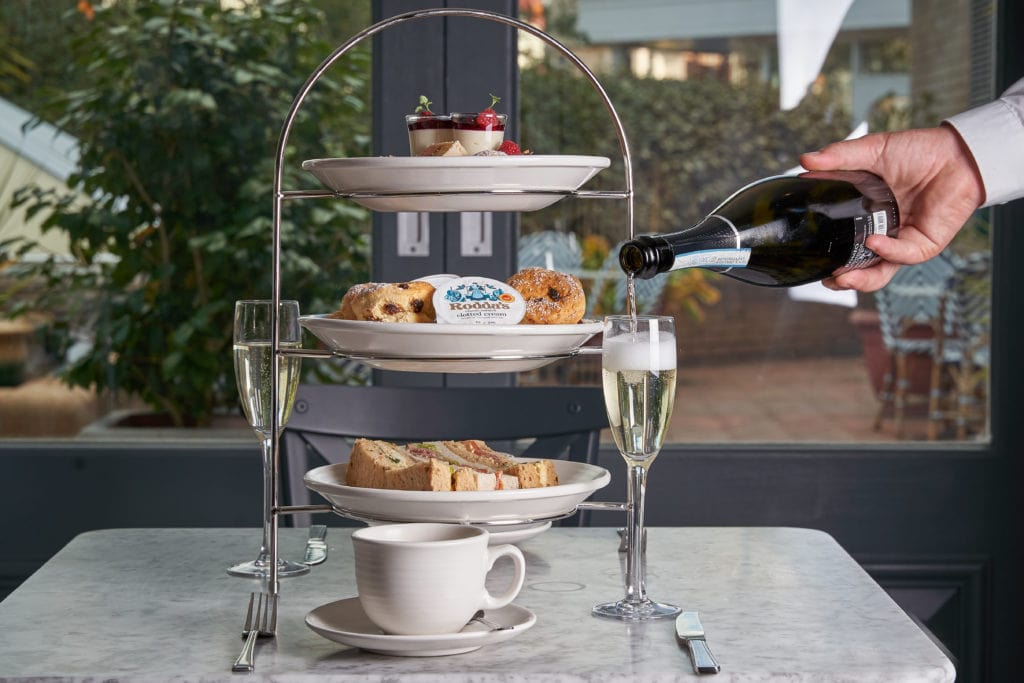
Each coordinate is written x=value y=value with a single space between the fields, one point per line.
x=690 y=631
x=316 y=546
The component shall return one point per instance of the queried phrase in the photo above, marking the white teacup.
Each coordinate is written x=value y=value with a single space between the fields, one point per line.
x=425 y=579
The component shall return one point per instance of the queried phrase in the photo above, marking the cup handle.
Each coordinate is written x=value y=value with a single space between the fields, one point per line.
x=493 y=553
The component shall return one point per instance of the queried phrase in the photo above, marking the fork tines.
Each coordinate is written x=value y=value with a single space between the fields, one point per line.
x=248 y=615
x=269 y=626
x=264 y=619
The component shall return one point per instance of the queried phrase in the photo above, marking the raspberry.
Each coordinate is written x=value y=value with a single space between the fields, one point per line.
x=509 y=147
x=488 y=118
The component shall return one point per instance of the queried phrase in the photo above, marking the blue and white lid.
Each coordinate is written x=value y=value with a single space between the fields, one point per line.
x=478 y=301
x=438 y=279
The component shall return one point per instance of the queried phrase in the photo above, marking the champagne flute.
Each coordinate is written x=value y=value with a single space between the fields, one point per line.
x=638 y=368
x=253 y=352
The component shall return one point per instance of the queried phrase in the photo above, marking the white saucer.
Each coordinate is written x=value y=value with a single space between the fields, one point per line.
x=344 y=621
x=500 y=535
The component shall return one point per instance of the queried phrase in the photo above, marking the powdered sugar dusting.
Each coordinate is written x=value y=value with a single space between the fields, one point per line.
x=549 y=294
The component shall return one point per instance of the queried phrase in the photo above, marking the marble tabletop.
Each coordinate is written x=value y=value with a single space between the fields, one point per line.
x=778 y=604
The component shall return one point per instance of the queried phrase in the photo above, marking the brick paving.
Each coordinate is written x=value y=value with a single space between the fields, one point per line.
x=810 y=400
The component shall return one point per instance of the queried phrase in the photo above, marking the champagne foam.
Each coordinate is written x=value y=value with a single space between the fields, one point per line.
x=638 y=353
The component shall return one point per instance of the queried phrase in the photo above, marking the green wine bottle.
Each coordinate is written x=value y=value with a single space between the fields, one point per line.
x=778 y=232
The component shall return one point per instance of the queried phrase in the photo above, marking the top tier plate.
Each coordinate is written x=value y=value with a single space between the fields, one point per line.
x=474 y=183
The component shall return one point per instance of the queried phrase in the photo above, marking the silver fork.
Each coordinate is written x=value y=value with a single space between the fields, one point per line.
x=261 y=625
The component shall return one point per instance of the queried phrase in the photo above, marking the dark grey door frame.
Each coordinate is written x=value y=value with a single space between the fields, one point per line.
x=457 y=62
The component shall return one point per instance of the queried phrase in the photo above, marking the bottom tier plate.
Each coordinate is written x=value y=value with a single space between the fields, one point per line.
x=577 y=481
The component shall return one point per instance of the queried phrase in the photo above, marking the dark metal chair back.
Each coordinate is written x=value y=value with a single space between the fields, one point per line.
x=538 y=422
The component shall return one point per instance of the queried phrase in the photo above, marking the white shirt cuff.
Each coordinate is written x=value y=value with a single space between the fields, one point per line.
x=994 y=132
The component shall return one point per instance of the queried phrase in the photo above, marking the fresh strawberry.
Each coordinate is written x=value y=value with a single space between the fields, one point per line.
x=424 y=106
x=488 y=117
x=509 y=147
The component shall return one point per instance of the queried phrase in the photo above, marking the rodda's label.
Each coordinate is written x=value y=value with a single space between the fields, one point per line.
x=478 y=301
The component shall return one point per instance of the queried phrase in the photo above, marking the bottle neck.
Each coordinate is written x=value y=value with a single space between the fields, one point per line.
x=645 y=256
x=712 y=243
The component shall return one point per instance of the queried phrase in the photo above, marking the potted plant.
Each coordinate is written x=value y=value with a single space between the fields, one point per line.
x=168 y=214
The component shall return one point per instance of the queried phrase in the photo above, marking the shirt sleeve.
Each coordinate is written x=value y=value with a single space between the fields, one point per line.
x=994 y=133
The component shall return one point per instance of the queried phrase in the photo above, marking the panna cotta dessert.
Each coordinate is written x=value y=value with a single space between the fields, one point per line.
x=481 y=131
x=427 y=128
x=476 y=135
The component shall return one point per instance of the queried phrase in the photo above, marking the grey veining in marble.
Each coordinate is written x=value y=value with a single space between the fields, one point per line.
x=779 y=604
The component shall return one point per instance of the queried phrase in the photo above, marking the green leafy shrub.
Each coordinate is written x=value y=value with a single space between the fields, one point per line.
x=178 y=123
x=693 y=143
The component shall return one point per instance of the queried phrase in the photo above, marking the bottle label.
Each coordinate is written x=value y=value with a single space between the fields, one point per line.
x=879 y=223
x=713 y=258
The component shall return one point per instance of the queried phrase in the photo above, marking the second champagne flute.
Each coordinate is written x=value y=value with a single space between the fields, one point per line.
x=638 y=367
x=254 y=352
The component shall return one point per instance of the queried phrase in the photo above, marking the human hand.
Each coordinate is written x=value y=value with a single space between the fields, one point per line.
x=937 y=187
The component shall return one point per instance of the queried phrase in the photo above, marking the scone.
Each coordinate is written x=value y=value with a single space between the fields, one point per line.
x=552 y=298
x=400 y=302
x=346 y=311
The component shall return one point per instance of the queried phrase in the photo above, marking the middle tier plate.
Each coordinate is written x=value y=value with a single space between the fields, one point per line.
x=472 y=183
x=433 y=347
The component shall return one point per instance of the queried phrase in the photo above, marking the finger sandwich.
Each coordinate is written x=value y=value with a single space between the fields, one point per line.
x=469 y=465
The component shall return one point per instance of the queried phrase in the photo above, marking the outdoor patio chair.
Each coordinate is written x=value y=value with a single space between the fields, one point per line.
x=551 y=249
x=965 y=350
x=557 y=422
x=911 y=318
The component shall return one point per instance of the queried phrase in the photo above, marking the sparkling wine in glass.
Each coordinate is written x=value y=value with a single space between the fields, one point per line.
x=638 y=367
x=254 y=353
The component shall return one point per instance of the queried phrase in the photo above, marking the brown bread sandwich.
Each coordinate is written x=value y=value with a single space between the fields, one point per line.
x=469 y=465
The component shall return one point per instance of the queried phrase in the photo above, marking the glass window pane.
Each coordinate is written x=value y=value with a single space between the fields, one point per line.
x=714 y=96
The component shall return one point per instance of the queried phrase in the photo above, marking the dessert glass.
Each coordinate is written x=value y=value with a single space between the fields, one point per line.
x=479 y=137
x=426 y=130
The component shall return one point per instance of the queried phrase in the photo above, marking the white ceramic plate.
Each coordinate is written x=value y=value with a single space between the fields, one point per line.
x=414 y=183
x=344 y=621
x=493 y=508
x=517 y=534
x=432 y=347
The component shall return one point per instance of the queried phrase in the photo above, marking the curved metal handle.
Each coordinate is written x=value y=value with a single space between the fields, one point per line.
x=244 y=661
x=384 y=24
x=703 y=661
x=282 y=143
x=279 y=195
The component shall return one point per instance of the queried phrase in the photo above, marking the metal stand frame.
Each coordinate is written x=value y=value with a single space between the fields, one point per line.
x=280 y=195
